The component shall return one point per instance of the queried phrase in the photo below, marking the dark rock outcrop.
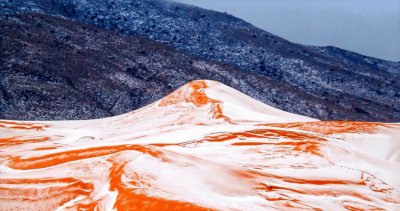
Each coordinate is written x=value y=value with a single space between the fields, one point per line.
x=322 y=82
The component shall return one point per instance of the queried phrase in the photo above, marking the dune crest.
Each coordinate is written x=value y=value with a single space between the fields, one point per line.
x=205 y=146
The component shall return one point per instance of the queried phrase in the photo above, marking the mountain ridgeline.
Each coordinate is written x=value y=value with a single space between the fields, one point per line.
x=90 y=59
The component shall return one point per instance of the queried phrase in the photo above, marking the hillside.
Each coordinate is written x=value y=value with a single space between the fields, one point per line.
x=323 y=82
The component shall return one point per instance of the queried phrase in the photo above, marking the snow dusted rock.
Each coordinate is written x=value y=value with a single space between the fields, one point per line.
x=322 y=82
x=204 y=147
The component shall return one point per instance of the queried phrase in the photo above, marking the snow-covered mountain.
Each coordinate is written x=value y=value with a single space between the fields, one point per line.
x=94 y=52
x=206 y=146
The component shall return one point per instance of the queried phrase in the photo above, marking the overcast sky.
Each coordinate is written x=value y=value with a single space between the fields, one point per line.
x=369 y=27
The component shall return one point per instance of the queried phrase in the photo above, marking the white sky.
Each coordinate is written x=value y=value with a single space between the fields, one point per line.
x=369 y=27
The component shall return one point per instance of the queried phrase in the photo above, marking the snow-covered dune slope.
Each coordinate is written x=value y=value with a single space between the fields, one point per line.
x=203 y=147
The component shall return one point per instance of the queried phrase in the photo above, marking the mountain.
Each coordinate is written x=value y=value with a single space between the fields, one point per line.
x=58 y=69
x=205 y=146
x=322 y=82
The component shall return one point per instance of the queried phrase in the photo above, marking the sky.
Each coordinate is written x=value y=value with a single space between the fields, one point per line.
x=369 y=27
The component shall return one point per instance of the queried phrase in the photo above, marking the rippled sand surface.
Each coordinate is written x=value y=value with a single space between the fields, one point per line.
x=203 y=147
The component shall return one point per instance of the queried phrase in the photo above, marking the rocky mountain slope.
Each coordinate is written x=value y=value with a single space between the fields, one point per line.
x=206 y=146
x=58 y=69
x=322 y=82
